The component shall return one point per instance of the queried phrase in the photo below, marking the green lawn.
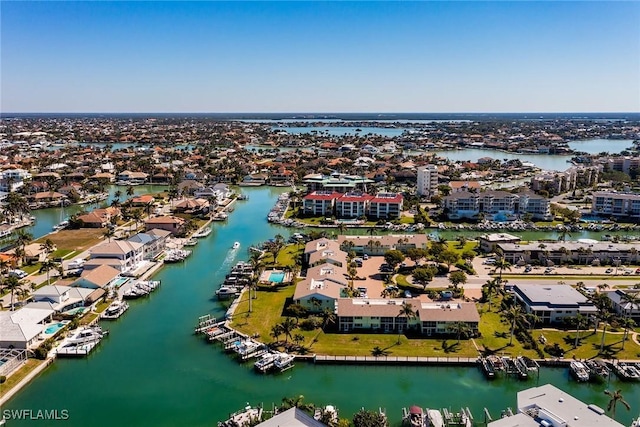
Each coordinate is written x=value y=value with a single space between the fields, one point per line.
x=17 y=376
x=589 y=344
x=62 y=253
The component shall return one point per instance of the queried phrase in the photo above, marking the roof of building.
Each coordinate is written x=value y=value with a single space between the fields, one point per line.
x=100 y=276
x=550 y=295
x=117 y=247
x=427 y=311
x=500 y=237
x=293 y=417
x=165 y=220
x=552 y=403
x=327 y=287
x=322 y=195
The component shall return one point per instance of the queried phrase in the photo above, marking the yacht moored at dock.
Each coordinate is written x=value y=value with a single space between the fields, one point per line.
x=115 y=310
x=579 y=371
x=487 y=368
x=203 y=232
x=414 y=417
x=435 y=418
x=626 y=371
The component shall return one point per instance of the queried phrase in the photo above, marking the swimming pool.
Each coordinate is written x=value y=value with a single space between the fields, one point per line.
x=119 y=281
x=52 y=329
x=276 y=276
x=74 y=311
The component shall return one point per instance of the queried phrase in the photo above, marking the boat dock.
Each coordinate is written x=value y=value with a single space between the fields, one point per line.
x=77 y=350
x=410 y=360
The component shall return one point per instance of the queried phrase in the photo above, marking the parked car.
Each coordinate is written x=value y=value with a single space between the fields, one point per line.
x=20 y=274
x=527 y=269
x=365 y=257
x=407 y=294
x=609 y=270
x=637 y=270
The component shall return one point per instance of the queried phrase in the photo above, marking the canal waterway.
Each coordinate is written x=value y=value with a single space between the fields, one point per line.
x=152 y=371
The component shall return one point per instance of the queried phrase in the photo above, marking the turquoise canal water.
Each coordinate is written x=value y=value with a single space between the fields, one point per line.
x=152 y=371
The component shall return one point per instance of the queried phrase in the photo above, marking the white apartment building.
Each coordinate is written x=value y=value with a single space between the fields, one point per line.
x=616 y=204
x=427 y=180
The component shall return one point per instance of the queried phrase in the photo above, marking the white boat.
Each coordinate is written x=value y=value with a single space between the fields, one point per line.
x=204 y=232
x=86 y=335
x=61 y=226
x=579 y=370
x=226 y=292
x=435 y=418
x=266 y=361
x=236 y=245
x=191 y=242
x=116 y=307
x=284 y=361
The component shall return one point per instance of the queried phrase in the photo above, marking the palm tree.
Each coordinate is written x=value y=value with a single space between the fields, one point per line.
x=22 y=240
x=12 y=284
x=328 y=316
x=633 y=301
x=514 y=314
x=616 y=397
x=581 y=321
x=491 y=286
x=459 y=328
x=287 y=325
x=606 y=318
x=500 y=266
x=109 y=233
x=406 y=310
x=276 y=331
x=48 y=246
x=46 y=267
x=130 y=191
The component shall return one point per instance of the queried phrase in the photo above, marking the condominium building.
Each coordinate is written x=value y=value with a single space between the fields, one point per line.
x=571 y=179
x=616 y=204
x=504 y=205
x=427 y=180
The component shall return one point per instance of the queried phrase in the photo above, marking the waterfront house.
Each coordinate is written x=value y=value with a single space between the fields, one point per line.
x=553 y=303
x=142 y=201
x=188 y=187
x=61 y=298
x=132 y=177
x=383 y=315
x=99 y=218
x=34 y=252
x=123 y=255
x=192 y=206
x=22 y=328
x=154 y=242
x=96 y=278
x=172 y=224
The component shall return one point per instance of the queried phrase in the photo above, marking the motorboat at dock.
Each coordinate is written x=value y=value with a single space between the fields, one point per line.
x=203 y=232
x=115 y=310
x=141 y=288
x=435 y=418
x=579 y=371
x=176 y=255
x=627 y=371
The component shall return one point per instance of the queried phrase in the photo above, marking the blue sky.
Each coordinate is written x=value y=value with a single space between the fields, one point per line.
x=320 y=56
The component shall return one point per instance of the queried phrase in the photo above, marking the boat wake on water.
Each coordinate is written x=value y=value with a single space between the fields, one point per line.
x=228 y=260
